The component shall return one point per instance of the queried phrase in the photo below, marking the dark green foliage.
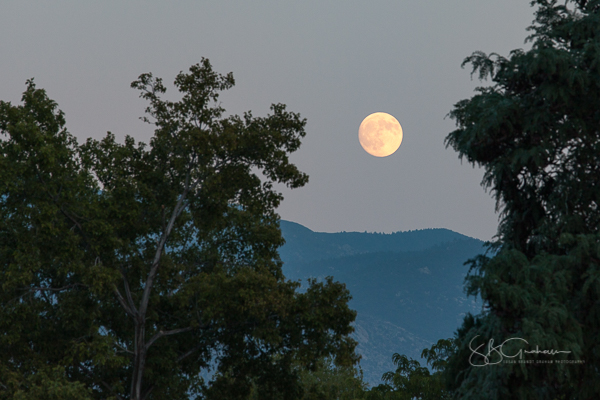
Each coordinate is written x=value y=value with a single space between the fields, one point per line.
x=127 y=269
x=536 y=132
x=329 y=381
x=437 y=356
x=48 y=383
x=412 y=381
x=326 y=379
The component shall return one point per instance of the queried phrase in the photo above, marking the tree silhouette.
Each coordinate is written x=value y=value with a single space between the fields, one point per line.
x=536 y=132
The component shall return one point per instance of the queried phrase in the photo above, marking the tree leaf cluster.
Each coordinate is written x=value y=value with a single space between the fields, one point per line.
x=411 y=381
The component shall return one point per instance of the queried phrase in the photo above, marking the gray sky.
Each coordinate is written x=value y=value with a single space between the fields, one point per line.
x=334 y=62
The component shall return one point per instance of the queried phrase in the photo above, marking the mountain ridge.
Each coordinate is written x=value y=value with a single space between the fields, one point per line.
x=331 y=245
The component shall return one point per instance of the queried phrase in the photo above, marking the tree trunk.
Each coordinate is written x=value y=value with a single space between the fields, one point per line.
x=139 y=359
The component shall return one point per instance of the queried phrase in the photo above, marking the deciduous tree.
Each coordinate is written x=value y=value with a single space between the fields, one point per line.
x=128 y=269
x=412 y=381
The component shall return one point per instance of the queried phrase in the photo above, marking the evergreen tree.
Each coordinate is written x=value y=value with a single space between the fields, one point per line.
x=536 y=132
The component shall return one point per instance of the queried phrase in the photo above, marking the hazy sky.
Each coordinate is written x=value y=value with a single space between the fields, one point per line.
x=334 y=62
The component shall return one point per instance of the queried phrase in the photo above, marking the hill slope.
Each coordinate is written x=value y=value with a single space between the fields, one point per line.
x=407 y=287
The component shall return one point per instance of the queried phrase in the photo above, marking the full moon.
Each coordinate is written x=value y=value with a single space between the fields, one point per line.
x=380 y=134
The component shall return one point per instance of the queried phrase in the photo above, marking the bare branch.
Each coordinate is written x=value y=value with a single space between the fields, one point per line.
x=123 y=348
x=166 y=333
x=189 y=353
x=147 y=392
x=43 y=289
x=124 y=303
x=128 y=293
x=161 y=244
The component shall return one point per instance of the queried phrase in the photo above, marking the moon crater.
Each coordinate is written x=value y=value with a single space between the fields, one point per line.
x=380 y=134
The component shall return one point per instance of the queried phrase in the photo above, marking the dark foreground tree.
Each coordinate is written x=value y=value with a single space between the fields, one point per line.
x=128 y=269
x=536 y=132
x=332 y=382
x=411 y=381
x=328 y=381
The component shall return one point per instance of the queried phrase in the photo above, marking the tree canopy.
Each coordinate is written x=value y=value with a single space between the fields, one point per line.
x=411 y=381
x=128 y=269
x=536 y=133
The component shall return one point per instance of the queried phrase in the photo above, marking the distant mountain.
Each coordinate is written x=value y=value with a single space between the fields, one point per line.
x=407 y=287
x=302 y=244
